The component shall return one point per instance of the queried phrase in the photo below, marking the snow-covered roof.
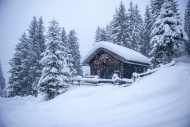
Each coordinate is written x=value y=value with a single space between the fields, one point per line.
x=126 y=53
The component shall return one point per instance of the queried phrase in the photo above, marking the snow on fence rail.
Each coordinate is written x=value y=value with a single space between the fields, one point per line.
x=136 y=76
x=96 y=80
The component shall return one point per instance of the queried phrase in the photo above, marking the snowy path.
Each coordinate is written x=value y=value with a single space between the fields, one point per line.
x=159 y=100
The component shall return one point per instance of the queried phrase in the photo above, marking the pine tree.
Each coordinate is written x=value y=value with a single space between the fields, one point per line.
x=108 y=32
x=33 y=53
x=135 y=27
x=53 y=80
x=174 y=6
x=25 y=66
x=68 y=69
x=37 y=46
x=138 y=30
x=18 y=81
x=131 y=21
x=155 y=7
x=100 y=35
x=74 y=47
x=145 y=43
x=97 y=35
x=187 y=28
x=103 y=35
x=119 y=26
x=2 y=81
x=167 y=35
x=64 y=37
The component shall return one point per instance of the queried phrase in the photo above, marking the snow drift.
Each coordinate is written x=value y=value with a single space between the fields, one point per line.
x=158 y=100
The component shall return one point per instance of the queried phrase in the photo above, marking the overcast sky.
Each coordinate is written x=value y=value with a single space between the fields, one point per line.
x=82 y=15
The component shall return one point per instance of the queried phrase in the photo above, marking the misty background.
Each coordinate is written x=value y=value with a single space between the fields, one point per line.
x=82 y=15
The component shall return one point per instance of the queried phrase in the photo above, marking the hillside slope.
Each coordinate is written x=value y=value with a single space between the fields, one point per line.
x=159 y=100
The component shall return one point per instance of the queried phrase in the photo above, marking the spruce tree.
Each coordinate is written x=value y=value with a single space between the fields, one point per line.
x=174 y=6
x=187 y=28
x=167 y=35
x=135 y=27
x=145 y=43
x=75 y=53
x=108 y=32
x=68 y=68
x=155 y=7
x=54 y=79
x=32 y=53
x=100 y=35
x=64 y=37
x=97 y=35
x=119 y=26
x=18 y=81
x=2 y=81
x=137 y=30
x=37 y=46
x=103 y=35
x=25 y=66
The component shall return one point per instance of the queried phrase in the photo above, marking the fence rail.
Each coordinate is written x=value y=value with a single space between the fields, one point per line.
x=94 y=80
x=136 y=76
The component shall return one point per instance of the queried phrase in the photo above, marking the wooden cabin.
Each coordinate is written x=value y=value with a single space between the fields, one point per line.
x=106 y=58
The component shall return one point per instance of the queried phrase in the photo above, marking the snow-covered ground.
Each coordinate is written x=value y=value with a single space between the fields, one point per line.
x=158 y=100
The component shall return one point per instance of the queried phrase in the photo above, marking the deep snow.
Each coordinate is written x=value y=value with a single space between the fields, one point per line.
x=158 y=100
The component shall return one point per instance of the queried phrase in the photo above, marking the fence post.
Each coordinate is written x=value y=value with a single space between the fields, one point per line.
x=79 y=82
x=135 y=76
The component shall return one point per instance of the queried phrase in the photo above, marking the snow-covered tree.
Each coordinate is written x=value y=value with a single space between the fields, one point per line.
x=25 y=66
x=64 y=37
x=155 y=7
x=37 y=46
x=100 y=35
x=187 y=27
x=97 y=35
x=68 y=69
x=108 y=32
x=18 y=81
x=103 y=35
x=54 y=78
x=75 y=53
x=137 y=30
x=174 y=6
x=32 y=55
x=145 y=43
x=2 y=81
x=167 y=35
x=135 y=27
x=119 y=26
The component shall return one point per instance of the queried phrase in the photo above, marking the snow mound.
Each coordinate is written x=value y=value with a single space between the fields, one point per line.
x=158 y=100
x=184 y=59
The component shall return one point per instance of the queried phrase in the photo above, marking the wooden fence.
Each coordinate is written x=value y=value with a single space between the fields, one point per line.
x=96 y=82
x=93 y=80
x=137 y=76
